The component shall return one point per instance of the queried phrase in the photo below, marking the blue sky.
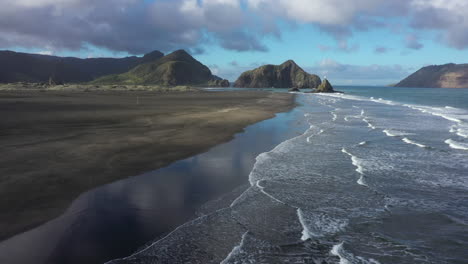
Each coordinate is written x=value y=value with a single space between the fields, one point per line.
x=357 y=42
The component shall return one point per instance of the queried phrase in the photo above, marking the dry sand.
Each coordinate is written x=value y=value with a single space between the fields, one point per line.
x=56 y=145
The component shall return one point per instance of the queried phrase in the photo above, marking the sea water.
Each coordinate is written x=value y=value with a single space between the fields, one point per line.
x=379 y=176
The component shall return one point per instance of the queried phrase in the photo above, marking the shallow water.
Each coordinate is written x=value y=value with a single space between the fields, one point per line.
x=379 y=176
x=116 y=219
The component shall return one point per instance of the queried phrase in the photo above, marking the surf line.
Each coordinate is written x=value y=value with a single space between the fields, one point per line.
x=359 y=169
x=306 y=233
x=236 y=250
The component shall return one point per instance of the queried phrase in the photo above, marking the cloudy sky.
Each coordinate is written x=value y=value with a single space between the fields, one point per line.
x=356 y=42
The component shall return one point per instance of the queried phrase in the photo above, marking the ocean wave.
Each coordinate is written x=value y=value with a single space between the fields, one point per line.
x=396 y=133
x=409 y=141
x=358 y=163
x=449 y=113
x=369 y=124
x=306 y=234
x=459 y=131
x=338 y=251
x=334 y=116
x=262 y=189
x=456 y=145
x=349 y=258
x=235 y=251
x=362 y=143
x=319 y=224
x=383 y=101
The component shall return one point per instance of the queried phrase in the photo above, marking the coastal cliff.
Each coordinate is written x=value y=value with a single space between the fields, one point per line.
x=438 y=76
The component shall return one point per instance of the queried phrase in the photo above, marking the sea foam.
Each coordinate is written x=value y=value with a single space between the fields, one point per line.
x=357 y=162
x=395 y=133
x=456 y=145
x=306 y=234
x=338 y=251
x=235 y=251
x=409 y=141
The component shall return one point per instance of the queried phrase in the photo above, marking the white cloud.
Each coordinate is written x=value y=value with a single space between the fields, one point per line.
x=138 y=26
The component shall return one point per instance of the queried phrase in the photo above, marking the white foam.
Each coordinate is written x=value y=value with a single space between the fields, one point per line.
x=309 y=138
x=395 y=133
x=235 y=251
x=382 y=101
x=348 y=258
x=362 y=181
x=363 y=143
x=369 y=124
x=306 y=234
x=456 y=145
x=362 y=112
x=453 y=129
x=267 y=194
x=334 y=116
x=338 y=251
x=357 y=162
x=460 y=131
x=347 y=118
x=409 y=141
x=449 y=113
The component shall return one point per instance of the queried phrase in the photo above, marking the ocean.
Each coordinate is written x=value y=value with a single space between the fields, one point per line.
x=379 y=175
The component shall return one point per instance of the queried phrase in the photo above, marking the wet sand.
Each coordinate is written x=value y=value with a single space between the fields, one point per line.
x=57 y=145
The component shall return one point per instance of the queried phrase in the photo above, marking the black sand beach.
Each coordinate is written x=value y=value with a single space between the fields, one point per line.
x=57 y=145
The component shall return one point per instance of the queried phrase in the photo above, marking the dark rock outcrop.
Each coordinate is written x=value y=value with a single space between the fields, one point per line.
x=218 y=83
x=24 y=67
x=177 y=68
x=438 y=76
x=286 y=75
x=325 y=87
x=294 y=89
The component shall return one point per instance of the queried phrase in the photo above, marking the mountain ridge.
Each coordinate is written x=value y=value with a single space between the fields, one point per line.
x=27 y=67
x=448 y=75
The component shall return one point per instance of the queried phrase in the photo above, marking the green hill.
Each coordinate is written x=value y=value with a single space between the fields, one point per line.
x=438 y=76
x=25 y=67
x=177 y=68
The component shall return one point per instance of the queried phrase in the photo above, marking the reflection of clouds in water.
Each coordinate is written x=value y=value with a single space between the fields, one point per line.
x=132 y=211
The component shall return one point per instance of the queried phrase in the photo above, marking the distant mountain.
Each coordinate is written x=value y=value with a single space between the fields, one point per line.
x=438 y=76
x=286 y=75
x=24 y=67
x=177 y=68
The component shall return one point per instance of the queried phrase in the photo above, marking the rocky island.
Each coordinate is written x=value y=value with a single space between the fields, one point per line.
x=286 y=75
x=438 y=76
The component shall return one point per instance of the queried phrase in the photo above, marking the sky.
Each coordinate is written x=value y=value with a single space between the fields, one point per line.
x=351 y=42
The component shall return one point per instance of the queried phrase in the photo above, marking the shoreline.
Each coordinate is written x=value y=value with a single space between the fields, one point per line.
x=63 y=144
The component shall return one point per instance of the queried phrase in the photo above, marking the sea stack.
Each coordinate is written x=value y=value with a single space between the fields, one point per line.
x=286 y=75
x=325 y=87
